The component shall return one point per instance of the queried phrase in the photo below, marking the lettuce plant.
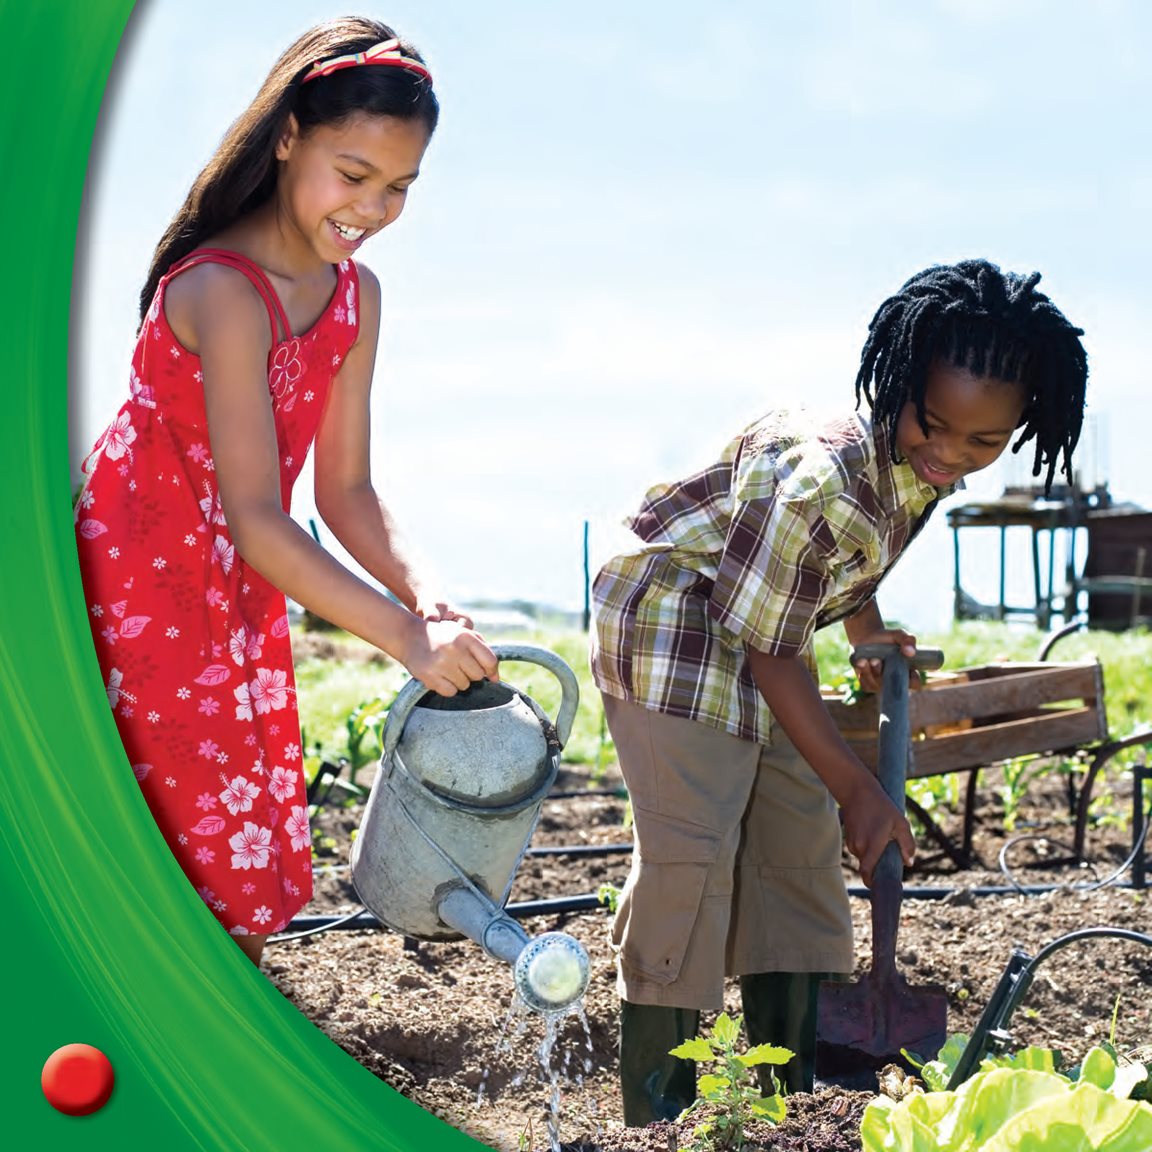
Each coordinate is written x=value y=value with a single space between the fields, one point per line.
x=1025 y=1107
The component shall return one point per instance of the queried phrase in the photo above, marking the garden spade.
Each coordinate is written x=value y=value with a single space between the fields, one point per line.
x=862 y=1027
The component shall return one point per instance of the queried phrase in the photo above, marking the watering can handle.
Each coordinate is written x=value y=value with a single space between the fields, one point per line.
x=569 y=687
x=415 y=690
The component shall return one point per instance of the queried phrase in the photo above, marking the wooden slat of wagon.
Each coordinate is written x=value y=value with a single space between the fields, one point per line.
x=975 y=747
x=1020 y=689
x=971 y=748
x=987 y=714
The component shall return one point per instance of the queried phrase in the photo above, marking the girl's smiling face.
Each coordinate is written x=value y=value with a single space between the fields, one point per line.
x=971 y=420
x=342 y=183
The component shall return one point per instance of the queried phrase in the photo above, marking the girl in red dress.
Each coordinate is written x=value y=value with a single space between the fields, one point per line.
x=258 y=337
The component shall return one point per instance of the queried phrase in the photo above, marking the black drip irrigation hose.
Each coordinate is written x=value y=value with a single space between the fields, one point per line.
x=581 y=850
x=594 y=793
x=313 y=925
x=992 y=1030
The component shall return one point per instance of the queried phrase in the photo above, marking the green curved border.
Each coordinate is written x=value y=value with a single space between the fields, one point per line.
x=104 y=942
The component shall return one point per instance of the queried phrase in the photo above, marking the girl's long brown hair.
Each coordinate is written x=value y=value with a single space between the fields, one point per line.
x=242 y=172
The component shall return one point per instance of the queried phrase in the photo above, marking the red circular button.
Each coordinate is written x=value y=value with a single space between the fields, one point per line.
x=77 y=1079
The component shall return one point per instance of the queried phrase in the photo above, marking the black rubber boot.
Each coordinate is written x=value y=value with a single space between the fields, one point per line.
x=655 y=1085
x=780 y=1009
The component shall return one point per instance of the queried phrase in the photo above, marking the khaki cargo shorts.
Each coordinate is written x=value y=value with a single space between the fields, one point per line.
x=736 y=865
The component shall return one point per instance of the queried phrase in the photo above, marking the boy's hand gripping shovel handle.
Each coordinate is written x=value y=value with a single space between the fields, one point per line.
x=892 y=771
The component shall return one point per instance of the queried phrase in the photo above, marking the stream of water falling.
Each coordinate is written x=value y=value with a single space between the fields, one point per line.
x=554 y=1074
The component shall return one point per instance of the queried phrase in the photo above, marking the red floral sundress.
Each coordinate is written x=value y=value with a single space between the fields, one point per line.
x=193 y=644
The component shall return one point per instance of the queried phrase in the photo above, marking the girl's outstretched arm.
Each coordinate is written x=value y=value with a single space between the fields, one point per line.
x=222 y=317
x=345 y=496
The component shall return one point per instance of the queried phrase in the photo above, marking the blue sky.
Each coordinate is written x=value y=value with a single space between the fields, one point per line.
x=641 y=224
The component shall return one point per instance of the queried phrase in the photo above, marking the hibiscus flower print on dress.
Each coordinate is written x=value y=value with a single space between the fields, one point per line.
x=223 y=553
x=351 y=298
x=141 y=393
x=282 y=783
x=243 y=644
x=121 y=436
x=243 y=706
x=287 y=368
x=269 y=691
x=251 y=847
x=239 y=794
x=296 y=826
x=211 y=507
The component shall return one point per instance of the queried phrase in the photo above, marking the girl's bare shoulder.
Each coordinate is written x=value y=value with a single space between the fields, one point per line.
x=212 y=296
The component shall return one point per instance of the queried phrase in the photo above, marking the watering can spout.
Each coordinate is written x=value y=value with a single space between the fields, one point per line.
x=472 y=914
x=551 y=971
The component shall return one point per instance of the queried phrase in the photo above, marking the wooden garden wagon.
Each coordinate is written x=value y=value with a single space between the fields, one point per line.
x=973 y=718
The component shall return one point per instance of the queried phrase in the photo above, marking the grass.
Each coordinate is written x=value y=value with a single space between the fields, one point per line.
x=330 y=690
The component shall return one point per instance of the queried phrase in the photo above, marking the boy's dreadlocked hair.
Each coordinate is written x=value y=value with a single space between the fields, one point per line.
x=994 y=324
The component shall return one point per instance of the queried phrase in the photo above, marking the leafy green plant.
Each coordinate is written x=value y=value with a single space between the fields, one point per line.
x=1017 y=775
x=936 y=1073
x=935 y=792
x=364 y=726
x=728 y=1097
x=609 y=896
x=1018 y=1103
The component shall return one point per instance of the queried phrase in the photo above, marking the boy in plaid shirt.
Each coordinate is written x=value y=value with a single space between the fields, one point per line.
x=703 y=656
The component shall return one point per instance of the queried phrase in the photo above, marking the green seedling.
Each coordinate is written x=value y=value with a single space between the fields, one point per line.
x=728 y=1097
x=1018 y=774
x=609 y=896
x=364 y=726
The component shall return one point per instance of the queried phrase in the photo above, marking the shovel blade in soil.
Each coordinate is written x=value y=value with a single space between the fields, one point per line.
x=862 y=1027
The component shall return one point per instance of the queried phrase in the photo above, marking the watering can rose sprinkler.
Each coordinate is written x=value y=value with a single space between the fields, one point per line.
x=450 y=815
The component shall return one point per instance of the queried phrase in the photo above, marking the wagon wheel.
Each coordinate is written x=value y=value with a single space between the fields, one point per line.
x=1103 y=754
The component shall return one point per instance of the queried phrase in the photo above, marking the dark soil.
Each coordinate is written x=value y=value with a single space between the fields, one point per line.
x=432 y=1019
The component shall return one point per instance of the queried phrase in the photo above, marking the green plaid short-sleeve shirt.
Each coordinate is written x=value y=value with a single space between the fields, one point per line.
x=791 y=529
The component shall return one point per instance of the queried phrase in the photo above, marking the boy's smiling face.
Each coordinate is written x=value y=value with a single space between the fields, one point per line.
x=971 y=420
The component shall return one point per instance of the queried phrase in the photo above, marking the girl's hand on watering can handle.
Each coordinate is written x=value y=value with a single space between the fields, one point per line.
x=439 y=609
x=448 y=658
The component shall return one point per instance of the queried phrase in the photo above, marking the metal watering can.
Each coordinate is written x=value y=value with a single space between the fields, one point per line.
x=450 y=815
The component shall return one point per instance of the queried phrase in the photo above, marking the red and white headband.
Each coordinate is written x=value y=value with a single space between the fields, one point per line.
x=386 y=52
